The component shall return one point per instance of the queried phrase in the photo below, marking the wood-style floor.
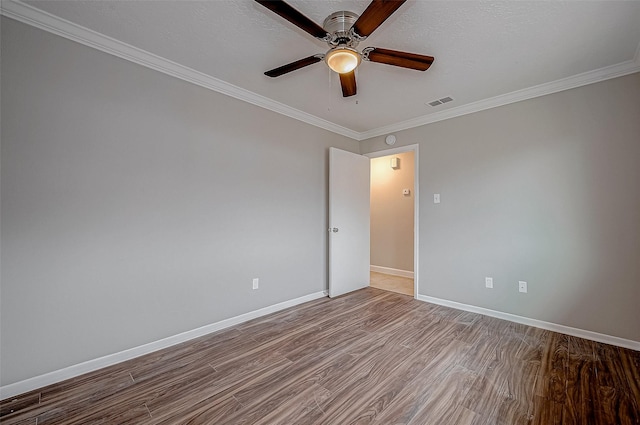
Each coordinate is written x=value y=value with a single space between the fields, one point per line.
x=401 y=285
x=370 y=357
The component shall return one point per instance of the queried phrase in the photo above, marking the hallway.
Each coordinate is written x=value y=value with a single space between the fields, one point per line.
x=387 y=282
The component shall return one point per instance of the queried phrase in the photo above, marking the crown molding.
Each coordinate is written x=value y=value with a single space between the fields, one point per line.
x=33 y=16
x=586 y=78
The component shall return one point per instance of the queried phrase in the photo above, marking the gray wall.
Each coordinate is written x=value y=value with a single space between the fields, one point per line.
x=547 y=191
x=136 y=206
x=392 y=213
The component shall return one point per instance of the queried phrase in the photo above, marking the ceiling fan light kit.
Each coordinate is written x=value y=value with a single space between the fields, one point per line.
x=342 y=59
x=343 y=31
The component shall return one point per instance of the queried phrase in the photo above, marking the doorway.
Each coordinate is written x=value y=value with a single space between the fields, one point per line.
x=394 y=220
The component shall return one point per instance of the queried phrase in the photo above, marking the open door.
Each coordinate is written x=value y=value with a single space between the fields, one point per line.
x=348 y=222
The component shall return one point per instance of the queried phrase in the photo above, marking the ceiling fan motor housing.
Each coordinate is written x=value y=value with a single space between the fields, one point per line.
x=339 y=24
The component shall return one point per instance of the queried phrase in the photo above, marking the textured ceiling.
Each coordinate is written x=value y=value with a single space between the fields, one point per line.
x=481 y=49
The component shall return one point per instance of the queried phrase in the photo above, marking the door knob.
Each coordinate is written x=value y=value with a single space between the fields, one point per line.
x=334 y=230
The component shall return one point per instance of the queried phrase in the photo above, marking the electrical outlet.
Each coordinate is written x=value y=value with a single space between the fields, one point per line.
x=522 y=286
x=488 y=282
x=255 y=283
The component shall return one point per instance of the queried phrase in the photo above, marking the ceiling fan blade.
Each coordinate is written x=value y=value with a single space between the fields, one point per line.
x=348 y=83
x=296 y=18
x=396 y=58
x=285 y=69
x=374 y=15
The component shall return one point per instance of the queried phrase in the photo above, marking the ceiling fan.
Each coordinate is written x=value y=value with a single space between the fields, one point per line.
x=342 y=31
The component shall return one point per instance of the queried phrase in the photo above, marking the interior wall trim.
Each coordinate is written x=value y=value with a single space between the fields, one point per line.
x=391 y=271
x=579 y=80
x=56 y=376
x=568 y=330
x=33 y=16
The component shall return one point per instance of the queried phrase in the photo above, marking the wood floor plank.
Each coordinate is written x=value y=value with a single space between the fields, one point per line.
x=129 y=401
x=473 y=333
x=371 y=375
x=23 y=402
x=547 y=411
x=550 y=395
x=207 y=411
x=614 y=396
x=369 y=357
x=186 y=354
x=218 y=386
x=631 y=365
x=289 y=403
x=515 y=381
x=499 y=400
x=311 y=369
x=485 y=352
x=320 y=341
x=27 y=421
x=534 y=342
x=74 y=395
x=555 y=364
x=443 y=355
x=377 y=396
x=444 y=406
x=581 y=382
x=275 y=325
x=405 y=374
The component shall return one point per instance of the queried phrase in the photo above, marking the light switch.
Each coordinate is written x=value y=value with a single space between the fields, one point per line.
x=436 y=198
x=406 y=191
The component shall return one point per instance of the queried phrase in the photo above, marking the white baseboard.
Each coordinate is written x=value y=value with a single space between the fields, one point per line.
x=30 y=384
x=393 y=272
x=581 y=333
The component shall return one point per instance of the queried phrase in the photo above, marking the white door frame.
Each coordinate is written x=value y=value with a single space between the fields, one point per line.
x=416 y=203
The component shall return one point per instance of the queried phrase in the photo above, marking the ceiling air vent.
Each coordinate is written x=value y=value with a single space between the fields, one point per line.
x=440 y=101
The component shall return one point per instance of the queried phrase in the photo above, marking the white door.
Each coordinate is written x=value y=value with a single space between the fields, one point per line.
x=348 y=222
